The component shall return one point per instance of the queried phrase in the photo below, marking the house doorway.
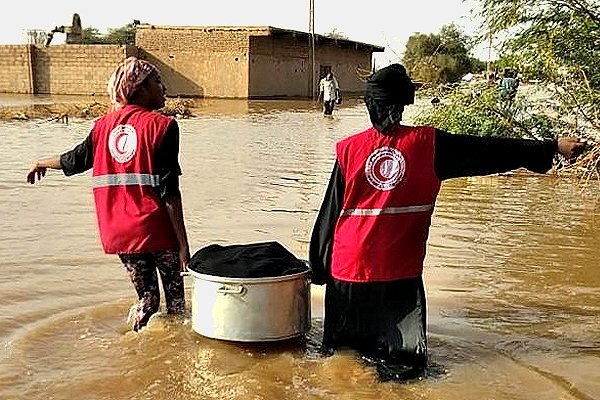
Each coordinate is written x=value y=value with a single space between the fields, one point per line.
x=324 y=70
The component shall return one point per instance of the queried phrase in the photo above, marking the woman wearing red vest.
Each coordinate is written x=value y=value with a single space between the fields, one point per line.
x=134 y=154
x=369 y=240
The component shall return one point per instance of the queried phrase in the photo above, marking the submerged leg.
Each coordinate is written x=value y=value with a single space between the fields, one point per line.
x=384 y=321
x=142 y=273
x=168 y=266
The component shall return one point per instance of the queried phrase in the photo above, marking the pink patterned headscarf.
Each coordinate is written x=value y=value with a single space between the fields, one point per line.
x=124 y=81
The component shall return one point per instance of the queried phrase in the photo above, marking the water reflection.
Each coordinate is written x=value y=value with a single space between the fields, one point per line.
x=11 y=100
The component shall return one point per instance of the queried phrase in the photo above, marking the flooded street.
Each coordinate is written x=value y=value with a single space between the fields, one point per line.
x=512 y=274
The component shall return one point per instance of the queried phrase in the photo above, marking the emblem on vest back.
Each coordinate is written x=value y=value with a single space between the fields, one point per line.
x=122 y=143
x=385 y=168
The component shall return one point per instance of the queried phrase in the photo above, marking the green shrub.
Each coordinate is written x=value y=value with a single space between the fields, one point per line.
x=479 y=110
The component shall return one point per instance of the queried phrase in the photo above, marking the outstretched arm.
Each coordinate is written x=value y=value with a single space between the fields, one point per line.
x=469 y=155
x=39 y=167
x=72 y=162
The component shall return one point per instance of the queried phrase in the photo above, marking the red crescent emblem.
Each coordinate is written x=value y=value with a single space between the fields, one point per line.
x=122 y=143
x=120 y=146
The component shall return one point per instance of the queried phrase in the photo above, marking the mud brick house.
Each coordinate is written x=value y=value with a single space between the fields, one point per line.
x=196 y=61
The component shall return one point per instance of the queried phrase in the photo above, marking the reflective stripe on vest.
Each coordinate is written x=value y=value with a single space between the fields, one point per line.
x=388 y=210
x=126 y=179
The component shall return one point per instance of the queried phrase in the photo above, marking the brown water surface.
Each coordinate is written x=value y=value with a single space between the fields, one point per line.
x=511 y=274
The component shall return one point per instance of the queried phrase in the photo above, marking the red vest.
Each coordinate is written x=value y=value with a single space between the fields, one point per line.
x=131 y=216
x=389 y=196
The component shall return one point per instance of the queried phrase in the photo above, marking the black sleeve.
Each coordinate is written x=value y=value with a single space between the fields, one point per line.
x=321 y=241
x=470 y=155
x=167 y=162
x=80 y=159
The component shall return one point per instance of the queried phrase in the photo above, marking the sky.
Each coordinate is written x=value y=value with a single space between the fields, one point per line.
x=387 y=23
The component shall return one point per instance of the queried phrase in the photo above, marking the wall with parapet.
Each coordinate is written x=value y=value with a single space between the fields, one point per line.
x=15 y=69
x=59 y=69
x=349 y=65
x=196 y=61
x=280 y=66
x=76 y=69
x=217 y=62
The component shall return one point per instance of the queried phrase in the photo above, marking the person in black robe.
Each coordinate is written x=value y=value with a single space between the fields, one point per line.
x=386 y=321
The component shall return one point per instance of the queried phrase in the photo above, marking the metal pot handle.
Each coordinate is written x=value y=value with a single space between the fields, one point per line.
x=231 y=289
x=310 y=271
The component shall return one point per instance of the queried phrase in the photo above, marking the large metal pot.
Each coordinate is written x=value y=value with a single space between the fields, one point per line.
x=251 y=309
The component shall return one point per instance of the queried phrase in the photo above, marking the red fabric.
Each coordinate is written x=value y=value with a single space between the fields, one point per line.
x=383 y=171
x=131 y=218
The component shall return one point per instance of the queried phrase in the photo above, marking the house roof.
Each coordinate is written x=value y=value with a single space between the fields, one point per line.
x=271 y=31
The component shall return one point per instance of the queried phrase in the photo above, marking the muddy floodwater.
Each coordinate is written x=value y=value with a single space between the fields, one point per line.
x=512 y=274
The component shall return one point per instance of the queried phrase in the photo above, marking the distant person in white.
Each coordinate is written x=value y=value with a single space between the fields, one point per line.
x=329 y=91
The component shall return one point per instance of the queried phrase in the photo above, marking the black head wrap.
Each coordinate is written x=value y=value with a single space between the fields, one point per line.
x=388 y=91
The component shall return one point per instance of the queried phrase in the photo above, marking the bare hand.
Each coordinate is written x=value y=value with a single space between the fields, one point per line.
x=570 y=147
x=184 y=258
x=34 y=170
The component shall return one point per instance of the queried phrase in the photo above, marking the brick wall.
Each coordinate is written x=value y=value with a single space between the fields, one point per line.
x=59 y=69
x=280 y=65
x=348 y=64
x=198 y=61
x=226 y=62
x=15 y=73
x=76 y=69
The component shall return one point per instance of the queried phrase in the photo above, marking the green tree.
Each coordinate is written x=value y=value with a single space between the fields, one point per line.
x=481 y=111
x=477 y=65
x=438 y=58
x=336 y=34
x=557 y=41
x=92 y=36
x=122 y=35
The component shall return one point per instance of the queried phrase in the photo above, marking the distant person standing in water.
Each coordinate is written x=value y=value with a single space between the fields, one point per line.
x=134 y=154
x=509 y=85
x=329 y=91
